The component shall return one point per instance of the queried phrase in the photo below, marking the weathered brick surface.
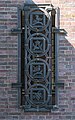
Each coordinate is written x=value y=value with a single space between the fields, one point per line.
x=9 y=59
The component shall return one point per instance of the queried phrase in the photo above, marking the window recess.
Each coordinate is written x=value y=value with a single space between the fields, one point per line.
x=37 y=58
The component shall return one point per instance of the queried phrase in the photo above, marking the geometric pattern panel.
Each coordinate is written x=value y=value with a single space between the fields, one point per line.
x=37 y=44
x=38 y=59
x=37 y=69
x=38 y=19
x=38 y=96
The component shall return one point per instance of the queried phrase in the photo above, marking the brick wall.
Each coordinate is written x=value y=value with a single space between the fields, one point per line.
x=9 y=63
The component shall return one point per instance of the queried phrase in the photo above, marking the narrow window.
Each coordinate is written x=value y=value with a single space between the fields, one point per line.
x=37 y=58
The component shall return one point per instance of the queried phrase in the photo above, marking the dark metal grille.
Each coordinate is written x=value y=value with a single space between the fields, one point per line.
x=37 y=59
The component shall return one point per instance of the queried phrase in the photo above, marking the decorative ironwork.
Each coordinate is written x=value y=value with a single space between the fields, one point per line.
x=36 y=83
x=38 y=19
x=38 y=44
x=37 y=69
x=38 y=61
x=38 y=94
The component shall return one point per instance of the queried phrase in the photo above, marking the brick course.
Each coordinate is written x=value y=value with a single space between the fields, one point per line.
x=9 y=63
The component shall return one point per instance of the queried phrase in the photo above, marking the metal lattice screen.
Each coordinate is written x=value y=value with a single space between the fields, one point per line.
x=37 y=57
x=38 y=92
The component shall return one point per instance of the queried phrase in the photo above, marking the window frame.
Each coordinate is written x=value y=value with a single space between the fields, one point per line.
x=22 y=59
x=19 y=31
